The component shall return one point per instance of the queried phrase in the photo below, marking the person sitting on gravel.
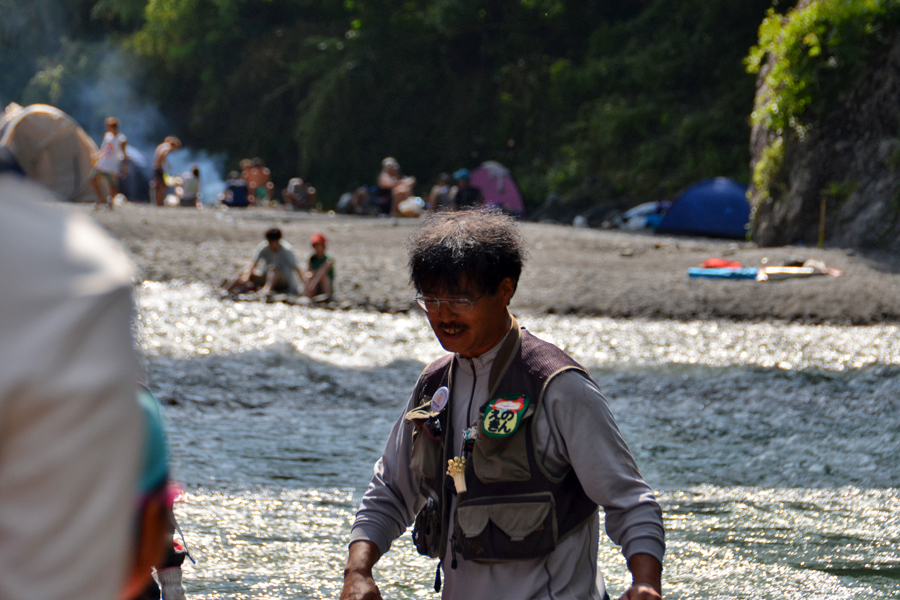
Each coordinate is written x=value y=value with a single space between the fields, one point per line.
x=298 y=195
x=439 y=197
x=320 y=278
x=278 y=268
x=464 y=194
x=236 y=191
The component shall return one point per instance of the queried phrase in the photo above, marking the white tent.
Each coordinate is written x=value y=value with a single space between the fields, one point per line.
x=50 y=147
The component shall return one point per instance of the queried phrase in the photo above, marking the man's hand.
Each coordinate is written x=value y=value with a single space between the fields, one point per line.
x=359 y=587
x=646 y=576
x=358 y=581
x=640 y=591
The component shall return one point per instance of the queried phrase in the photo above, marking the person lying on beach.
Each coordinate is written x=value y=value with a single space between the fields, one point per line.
x=278 y=268
x=320 y=277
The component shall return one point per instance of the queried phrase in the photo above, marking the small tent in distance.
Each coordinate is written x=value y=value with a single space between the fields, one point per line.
x=498 y=188
x=50 y=147
x=713 y=208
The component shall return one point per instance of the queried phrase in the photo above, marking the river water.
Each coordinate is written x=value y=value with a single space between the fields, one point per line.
x=775 y=448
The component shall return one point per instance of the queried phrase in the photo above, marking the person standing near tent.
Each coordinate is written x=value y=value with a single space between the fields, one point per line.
x=160 y=162
x=110 y=163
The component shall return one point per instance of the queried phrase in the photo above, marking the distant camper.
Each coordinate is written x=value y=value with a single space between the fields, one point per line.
x=236 y=191
x=160 y=163
x=298 y=195
x=109 y=165
x=188 y=191
x=465 y=195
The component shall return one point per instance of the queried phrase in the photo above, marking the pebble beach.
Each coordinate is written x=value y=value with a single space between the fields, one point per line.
x=573 y=271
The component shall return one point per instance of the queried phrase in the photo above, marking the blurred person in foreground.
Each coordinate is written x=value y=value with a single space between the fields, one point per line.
x=71 y=432
x=278 y=265
x=506 y=448
x=154 y=547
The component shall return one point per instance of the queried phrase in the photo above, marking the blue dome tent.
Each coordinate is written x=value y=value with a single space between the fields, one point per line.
x=714 y=208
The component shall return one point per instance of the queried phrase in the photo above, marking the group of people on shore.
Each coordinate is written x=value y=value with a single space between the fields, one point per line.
x=274 y=269
x=111 y=167
x=253 y=186
x=392 y=194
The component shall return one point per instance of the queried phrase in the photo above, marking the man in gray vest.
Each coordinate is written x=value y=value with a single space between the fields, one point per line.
x=506 y=447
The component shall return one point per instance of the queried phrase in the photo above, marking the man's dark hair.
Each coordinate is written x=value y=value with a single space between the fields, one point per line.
x=473 y=248
x=273 y=235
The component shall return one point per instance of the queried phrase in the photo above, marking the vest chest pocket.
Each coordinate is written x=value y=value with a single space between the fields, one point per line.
x=425 y=456
x=502 y=459
x=506 y=528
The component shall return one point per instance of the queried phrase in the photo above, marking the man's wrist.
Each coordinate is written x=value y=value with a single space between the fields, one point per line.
x=646 y=570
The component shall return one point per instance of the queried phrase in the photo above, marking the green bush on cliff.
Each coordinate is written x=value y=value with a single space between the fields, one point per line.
x=815 y=52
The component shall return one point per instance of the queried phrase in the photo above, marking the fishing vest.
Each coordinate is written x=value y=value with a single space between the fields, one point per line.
x=512 y=508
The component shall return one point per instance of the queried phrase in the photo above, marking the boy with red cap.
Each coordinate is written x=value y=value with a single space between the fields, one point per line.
x=320 y=278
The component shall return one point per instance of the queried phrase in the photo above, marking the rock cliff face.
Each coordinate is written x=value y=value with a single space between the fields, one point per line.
x=851 y=158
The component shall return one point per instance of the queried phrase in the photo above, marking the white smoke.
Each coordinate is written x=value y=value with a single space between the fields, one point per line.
x=113 y=93
x=211 y=168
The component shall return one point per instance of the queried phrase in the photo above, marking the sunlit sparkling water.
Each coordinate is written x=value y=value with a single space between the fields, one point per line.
x=776 y=448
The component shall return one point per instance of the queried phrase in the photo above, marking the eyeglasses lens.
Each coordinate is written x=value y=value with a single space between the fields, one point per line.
x=459 y=306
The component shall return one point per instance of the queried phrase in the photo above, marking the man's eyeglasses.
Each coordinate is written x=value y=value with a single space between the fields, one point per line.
x=460 y=306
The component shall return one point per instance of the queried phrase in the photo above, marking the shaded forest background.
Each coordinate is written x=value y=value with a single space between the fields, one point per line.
x=595 y=101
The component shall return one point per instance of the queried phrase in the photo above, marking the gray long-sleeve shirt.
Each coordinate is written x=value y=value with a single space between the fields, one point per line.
x=575 y=427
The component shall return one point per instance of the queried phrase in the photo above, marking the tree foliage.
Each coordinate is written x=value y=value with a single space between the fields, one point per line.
x=641 y=97
x=814 y=53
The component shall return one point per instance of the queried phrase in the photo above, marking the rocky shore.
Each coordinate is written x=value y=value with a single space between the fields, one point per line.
x=577 y=271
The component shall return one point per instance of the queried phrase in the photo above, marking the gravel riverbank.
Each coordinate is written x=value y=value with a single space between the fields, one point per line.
x=570 y=270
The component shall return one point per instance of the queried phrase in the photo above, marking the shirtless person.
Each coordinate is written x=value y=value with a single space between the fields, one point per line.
x=160 y=160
